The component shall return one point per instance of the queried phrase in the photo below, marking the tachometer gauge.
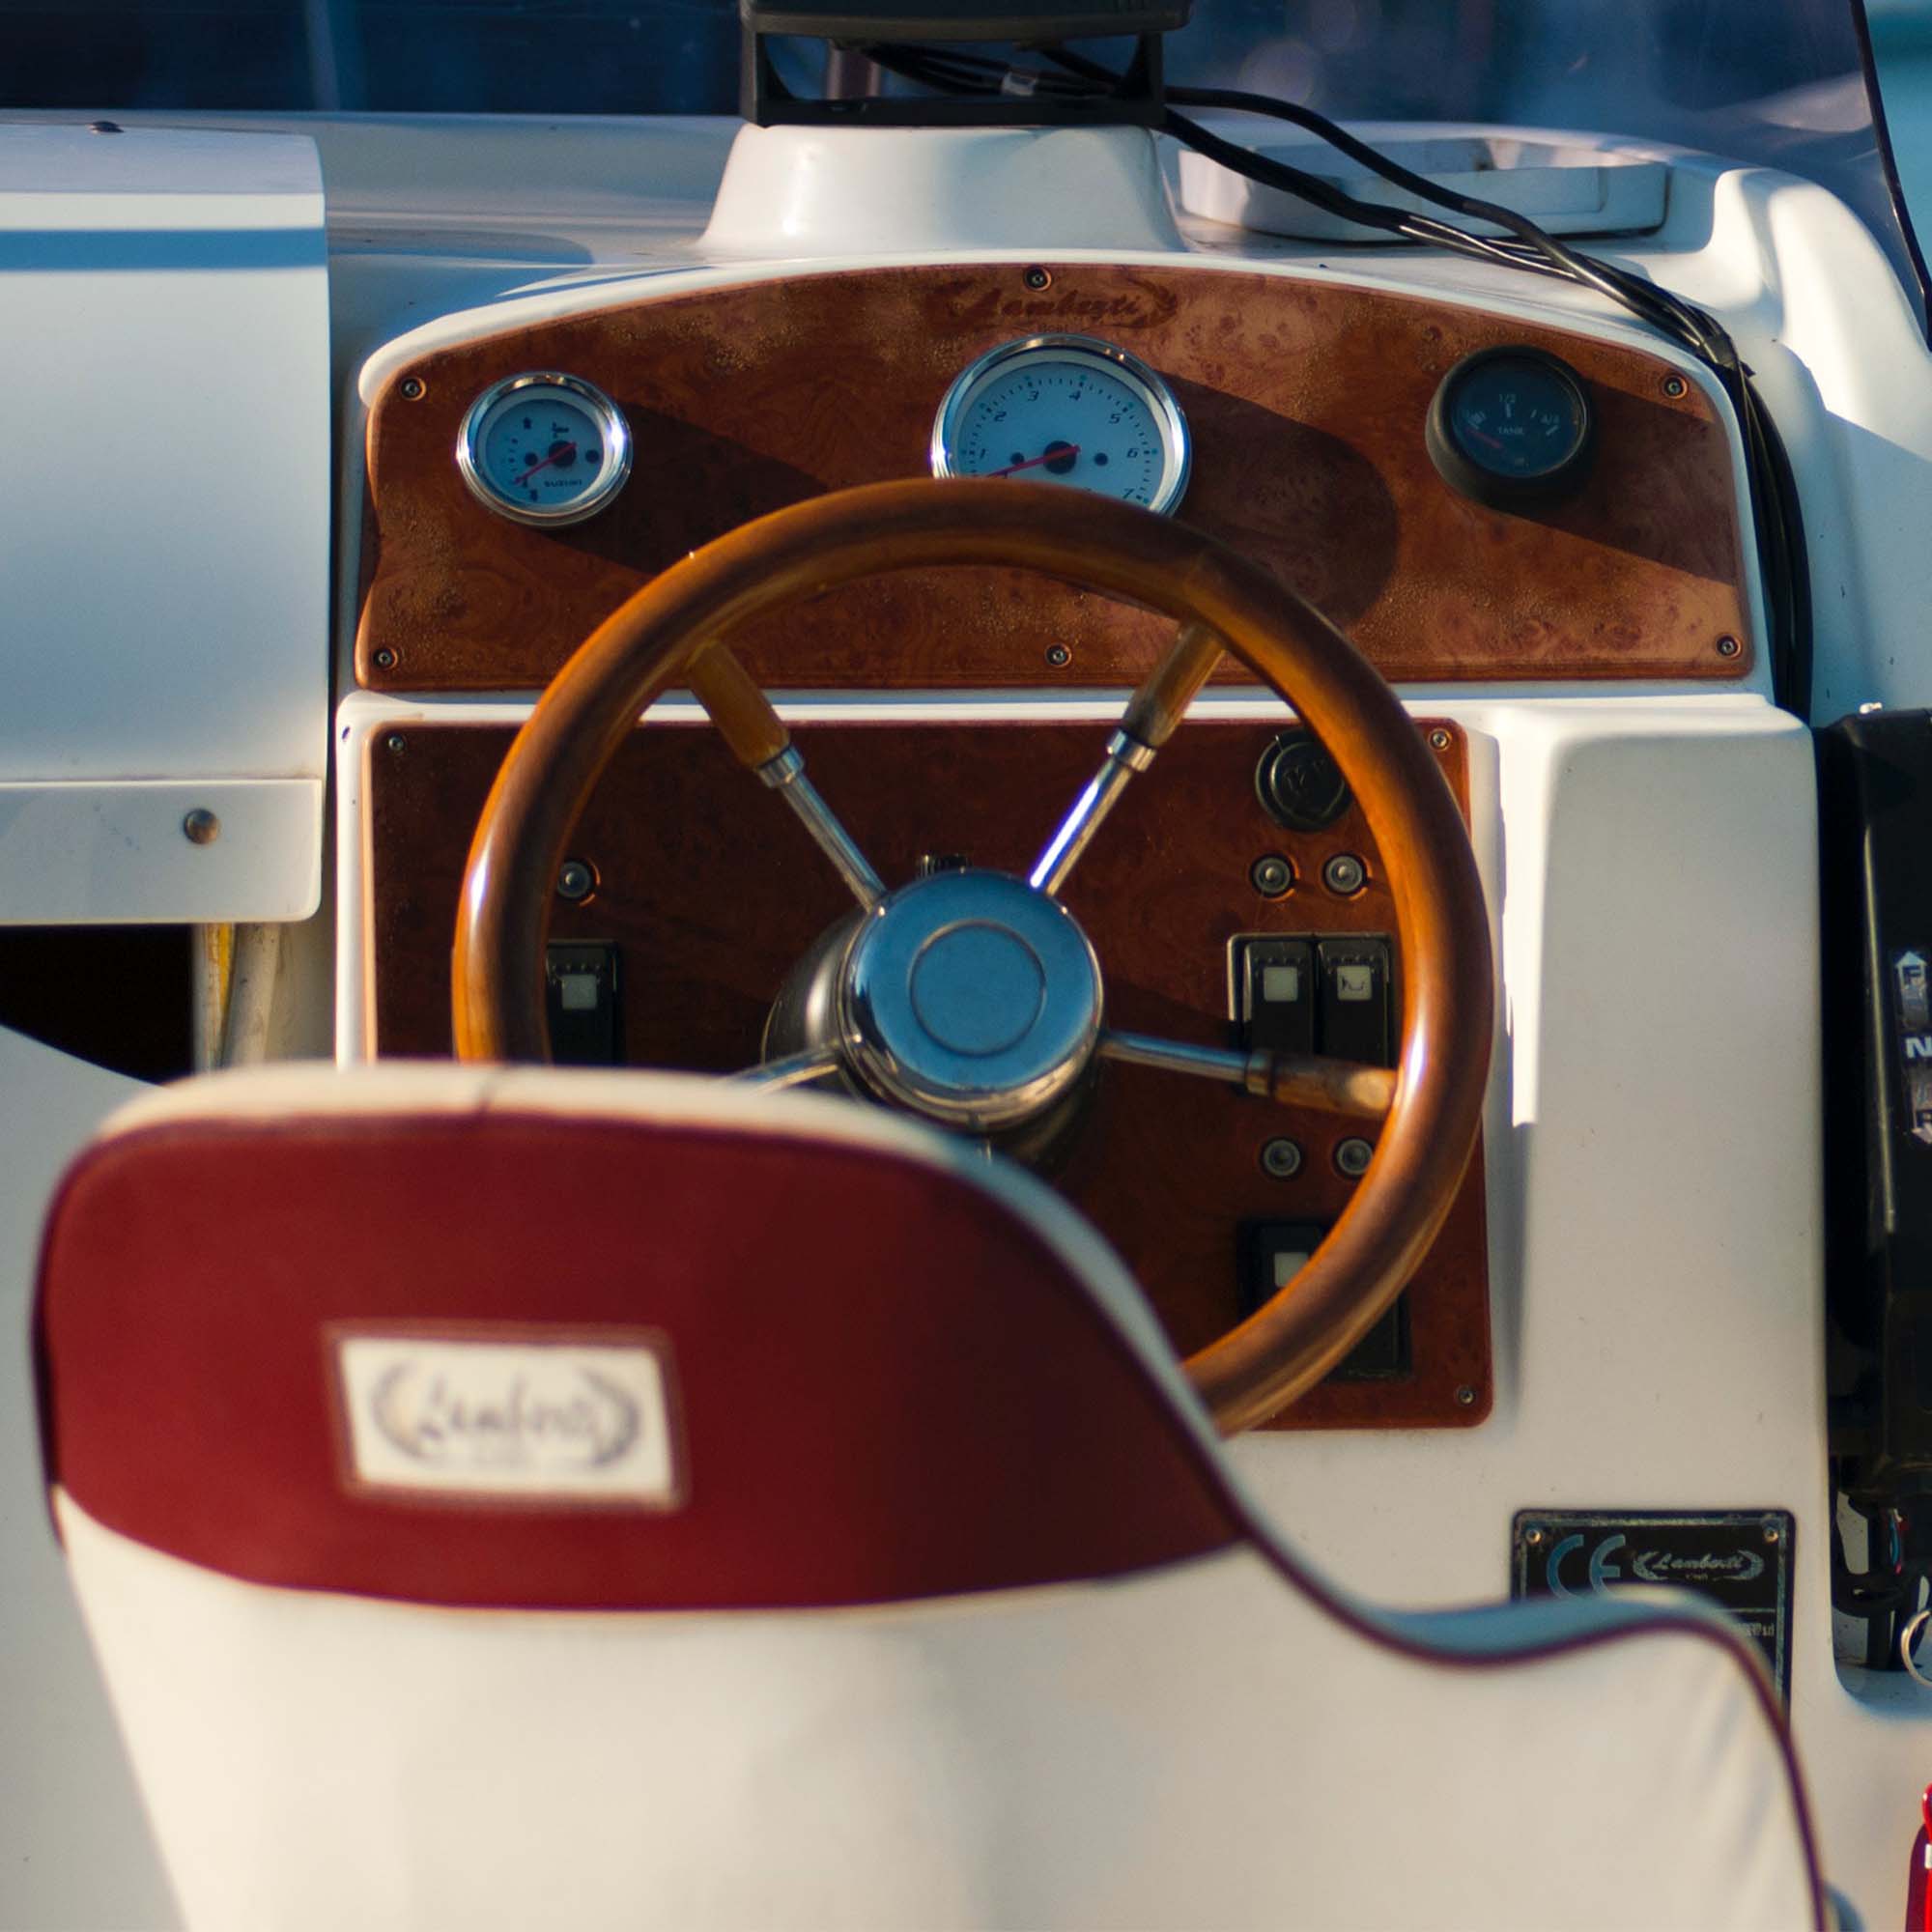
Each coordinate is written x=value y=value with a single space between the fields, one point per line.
x=1067 y=409
x=543 y=448
x=1511 y=426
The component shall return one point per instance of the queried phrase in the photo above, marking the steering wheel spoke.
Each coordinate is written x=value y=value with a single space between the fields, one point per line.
x=795 y=1069
x=761 y=744
x=1151 y=716
x=1344 y=1087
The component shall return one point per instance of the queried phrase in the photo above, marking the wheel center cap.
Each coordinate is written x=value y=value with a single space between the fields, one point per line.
x=978 y=988
x=972 y=998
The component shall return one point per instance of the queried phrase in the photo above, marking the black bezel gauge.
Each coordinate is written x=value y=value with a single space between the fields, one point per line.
x=1511 y=427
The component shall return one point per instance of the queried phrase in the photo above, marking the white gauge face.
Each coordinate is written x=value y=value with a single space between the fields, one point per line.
x=1066 y=409
x=545 y=448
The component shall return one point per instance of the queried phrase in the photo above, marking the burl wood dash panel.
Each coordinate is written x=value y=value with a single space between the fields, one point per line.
x=1307 y=402
x=711 y=891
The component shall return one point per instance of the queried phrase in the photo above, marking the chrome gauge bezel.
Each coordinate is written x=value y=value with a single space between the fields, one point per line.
x=611 y=425
x=1176 y=441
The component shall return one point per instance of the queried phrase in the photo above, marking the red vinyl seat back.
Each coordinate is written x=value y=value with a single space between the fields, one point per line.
x=874 y=1383
x=411 y=1345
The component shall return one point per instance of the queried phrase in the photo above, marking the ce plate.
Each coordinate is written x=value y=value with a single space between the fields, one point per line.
x=1739 y=1559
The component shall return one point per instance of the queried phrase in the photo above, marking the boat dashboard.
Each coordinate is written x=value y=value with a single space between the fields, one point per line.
x=1477 y=498
x=1614 y=553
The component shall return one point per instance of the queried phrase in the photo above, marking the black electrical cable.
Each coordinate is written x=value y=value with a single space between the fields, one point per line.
x=973 y=74
x=1777 y=515
x=1679 y=319
x=1332 y=200
x=1783 y=568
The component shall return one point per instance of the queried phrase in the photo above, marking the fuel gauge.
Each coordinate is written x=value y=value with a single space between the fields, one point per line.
x=1510 y=427
x=543 y=448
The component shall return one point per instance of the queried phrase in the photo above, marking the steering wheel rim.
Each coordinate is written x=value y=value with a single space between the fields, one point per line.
x=673 y=631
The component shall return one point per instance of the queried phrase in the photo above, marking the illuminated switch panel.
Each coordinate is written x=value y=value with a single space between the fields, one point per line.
x=1353 y=1000
x=1274 y=995
x=1274 y=1252
x=1315 y=995
x=581 y=1000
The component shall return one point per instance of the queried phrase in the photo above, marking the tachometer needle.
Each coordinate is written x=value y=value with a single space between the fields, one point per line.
x=560 y=452
x=1059 y=453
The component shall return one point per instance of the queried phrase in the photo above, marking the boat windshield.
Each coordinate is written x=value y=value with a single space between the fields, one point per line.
x=1787 y=83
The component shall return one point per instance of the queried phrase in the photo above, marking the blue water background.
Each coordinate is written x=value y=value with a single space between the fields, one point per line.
x=1902 y=41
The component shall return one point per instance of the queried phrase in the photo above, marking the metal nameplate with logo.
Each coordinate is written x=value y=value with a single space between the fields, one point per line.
x=1739 y=1559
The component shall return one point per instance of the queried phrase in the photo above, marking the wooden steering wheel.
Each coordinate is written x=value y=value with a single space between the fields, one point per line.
x=915 y=1020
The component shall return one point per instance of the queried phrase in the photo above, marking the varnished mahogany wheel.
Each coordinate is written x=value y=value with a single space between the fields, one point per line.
x=673 y=632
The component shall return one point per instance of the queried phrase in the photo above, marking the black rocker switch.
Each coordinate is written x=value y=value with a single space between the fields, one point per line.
x=1355 y=1000
x=1274 y=1252
x=580 y=998
x=1274 y=995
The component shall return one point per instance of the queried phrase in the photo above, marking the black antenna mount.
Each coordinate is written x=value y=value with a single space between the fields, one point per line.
x=856 y=25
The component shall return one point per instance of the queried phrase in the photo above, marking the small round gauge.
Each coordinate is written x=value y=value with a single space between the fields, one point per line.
x=1512 y=426
x=1067 y=409
x=543 y=448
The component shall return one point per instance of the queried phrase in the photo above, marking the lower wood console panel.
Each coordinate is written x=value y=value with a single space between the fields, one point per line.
x=711 y=891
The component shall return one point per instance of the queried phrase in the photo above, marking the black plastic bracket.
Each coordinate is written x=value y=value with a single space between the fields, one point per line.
x=1875 y=831
x=765 y=101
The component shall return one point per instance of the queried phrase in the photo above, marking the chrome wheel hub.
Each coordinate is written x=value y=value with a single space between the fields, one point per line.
x=970 y=997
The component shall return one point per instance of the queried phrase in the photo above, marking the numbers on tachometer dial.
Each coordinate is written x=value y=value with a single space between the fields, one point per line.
x=1068 y=410
x=543 y=448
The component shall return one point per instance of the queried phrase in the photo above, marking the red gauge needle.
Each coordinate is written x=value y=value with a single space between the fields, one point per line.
x=1494 y=441
x=556 y=455
x=1053 y=455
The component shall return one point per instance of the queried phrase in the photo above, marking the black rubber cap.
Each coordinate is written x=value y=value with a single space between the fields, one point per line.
x=1299 y=784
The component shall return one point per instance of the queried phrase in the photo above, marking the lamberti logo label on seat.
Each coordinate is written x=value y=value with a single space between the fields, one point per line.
x=531 y=1419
